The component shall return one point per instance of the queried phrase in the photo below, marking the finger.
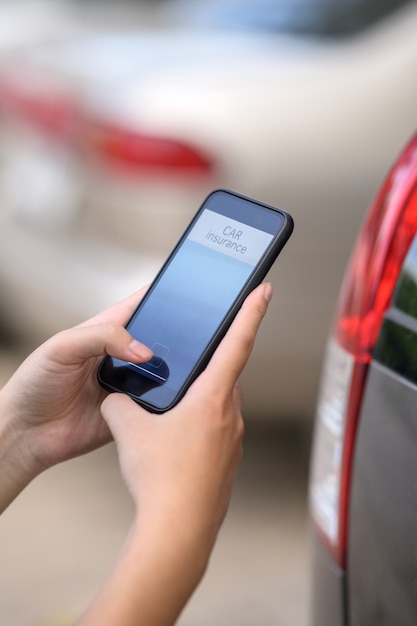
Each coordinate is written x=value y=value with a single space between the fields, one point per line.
x=85 y=342
x=122 y=414
x=237 y=396
x=119 y=313
x=233 y=352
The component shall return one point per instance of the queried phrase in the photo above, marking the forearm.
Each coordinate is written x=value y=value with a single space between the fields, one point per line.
x=157 y=572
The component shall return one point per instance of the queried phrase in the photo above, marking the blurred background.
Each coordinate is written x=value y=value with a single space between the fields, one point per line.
x=116 y=120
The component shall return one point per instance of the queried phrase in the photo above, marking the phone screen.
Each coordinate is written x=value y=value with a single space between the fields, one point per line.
x=193 y=295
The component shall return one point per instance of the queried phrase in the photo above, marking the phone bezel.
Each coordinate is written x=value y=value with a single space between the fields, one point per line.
x=261 y=269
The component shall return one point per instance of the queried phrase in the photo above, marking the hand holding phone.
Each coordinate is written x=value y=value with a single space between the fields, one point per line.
x=224 y=253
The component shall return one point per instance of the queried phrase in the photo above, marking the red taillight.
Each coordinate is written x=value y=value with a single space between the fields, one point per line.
x=38 y=105
x=46 y=107
x=377 y=258
x=366 y=294
x=136 y=151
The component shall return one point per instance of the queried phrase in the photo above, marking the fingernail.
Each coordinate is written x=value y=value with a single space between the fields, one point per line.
x=268 y=292
x=139 y=350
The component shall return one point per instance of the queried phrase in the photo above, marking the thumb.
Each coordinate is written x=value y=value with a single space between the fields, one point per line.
x=85 y=342
x=231 y=356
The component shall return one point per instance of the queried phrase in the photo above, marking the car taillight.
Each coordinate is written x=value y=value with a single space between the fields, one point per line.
x=38 y=104
x=44 y=106
x=135 y=151
x=366 y=294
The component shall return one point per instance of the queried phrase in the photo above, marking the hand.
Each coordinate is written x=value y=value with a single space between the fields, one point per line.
x=51 y=406
x=183 y=463
x=179 y=468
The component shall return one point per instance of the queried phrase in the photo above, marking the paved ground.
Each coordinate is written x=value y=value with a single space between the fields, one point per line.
x=60 y=537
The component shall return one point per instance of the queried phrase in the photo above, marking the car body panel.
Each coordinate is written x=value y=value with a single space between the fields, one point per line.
x=382 y=553
x=378 y=586
x=327 y=581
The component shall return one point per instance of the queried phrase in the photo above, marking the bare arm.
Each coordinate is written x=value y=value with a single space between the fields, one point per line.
x=50 y=408
x=180 y=469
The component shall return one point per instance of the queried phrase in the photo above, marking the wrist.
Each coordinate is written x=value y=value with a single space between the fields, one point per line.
x=181 y=550
x=157 y=572
x=16 y=467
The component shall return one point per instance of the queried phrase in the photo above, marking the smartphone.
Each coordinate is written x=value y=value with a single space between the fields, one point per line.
x=223 y=255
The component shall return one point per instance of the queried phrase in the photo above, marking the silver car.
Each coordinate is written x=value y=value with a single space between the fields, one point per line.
x=111 y=138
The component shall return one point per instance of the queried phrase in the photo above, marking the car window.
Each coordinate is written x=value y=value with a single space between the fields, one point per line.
x=313 y=17
x=333 y=18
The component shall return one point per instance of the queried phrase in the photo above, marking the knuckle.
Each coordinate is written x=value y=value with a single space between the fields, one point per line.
x=112 y=329
x=114 y=334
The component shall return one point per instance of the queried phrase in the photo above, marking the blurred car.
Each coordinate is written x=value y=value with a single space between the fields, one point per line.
x=28 y=22
x=110 y=140
x=363 y=497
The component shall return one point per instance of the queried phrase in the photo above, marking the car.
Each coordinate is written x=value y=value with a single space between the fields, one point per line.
x=363 y=497
x=110 y=141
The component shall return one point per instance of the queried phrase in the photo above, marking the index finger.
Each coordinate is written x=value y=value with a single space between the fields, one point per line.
x=231 y=356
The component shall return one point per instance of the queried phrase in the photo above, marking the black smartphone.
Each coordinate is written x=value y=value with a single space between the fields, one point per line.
x=224 y=254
